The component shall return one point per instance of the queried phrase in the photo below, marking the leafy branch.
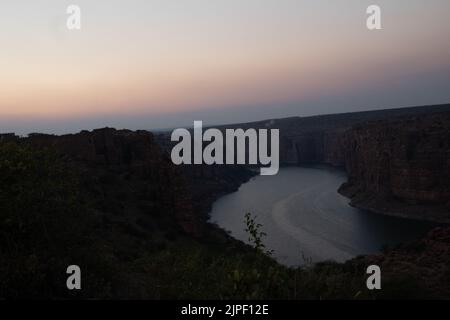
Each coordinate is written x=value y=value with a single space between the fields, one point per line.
x=255 y=235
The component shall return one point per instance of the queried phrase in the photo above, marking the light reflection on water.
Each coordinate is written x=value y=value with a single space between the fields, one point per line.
x=304 y=216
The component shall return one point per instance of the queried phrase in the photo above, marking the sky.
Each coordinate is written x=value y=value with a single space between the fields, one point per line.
x=165 y=63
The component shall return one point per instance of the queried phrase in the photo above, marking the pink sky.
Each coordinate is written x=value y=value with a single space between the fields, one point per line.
x=170 y=57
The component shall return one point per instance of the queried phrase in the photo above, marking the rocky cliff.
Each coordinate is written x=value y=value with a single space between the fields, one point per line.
x=397 y=164
x=207 y=183
x=128 y=174
x=400 y=166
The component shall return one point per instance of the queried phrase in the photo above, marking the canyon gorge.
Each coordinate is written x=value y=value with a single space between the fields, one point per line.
x=150 y=217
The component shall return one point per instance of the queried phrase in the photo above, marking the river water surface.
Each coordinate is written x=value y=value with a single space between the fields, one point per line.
x=307 y=220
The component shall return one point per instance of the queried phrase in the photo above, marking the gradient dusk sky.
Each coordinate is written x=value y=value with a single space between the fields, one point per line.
x=164 y=63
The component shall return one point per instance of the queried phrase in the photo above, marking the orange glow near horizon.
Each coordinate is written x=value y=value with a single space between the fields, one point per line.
x=176 y=61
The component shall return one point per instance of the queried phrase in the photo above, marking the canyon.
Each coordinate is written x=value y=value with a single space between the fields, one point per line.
x=146 y=218
x=230 y=150
x=397 y=160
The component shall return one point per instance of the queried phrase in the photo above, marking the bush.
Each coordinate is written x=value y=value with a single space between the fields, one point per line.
x=44 y=225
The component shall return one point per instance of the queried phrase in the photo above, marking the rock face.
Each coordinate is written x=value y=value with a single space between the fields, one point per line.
x=320 y=139
x=401 y=166
x=309 y=148
x=207 y=183
x=130 y=166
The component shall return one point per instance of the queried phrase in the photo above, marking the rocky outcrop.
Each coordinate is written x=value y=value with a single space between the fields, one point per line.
x=130 y=166
x=400 y=167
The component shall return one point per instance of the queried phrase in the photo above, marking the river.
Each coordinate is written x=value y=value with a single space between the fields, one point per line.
x=307 y=221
